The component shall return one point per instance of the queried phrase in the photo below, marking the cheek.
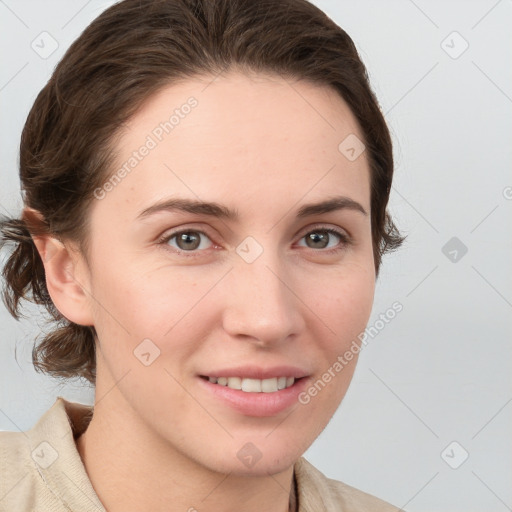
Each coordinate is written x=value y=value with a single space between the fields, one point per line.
x=344 y=305
x=135 y=302
x=344 y=302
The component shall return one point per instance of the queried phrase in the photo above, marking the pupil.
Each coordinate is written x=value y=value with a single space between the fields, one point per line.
x=187 y=238
x=315 y=237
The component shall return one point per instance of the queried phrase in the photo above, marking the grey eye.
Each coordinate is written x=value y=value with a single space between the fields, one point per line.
x=188 y=240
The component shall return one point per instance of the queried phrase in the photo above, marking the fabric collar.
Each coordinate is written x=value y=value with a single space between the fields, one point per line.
x=58 y=461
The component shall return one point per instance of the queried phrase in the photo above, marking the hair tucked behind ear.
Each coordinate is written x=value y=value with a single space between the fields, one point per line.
x=24 y=270
x=69 y=350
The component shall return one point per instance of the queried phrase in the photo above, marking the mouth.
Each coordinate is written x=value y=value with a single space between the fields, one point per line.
x=255 y=391
x=248 y=385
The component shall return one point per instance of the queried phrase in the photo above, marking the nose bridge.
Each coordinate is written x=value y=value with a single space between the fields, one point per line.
x=261 y=304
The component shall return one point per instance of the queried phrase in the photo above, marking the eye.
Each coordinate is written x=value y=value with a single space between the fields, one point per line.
x=189 y=240
x=326 y=238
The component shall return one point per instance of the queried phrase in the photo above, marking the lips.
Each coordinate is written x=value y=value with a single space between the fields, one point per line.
x=257 y=372
x=256 y=391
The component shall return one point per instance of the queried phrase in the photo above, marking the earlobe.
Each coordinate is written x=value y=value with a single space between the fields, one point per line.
x=64 y=282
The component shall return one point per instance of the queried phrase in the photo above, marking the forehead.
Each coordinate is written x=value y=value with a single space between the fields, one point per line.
x=240 y=136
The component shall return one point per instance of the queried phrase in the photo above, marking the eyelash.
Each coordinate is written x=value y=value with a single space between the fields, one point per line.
x=345 y=240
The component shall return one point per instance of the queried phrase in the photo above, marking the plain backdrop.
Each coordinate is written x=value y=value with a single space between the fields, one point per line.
x=426 y=422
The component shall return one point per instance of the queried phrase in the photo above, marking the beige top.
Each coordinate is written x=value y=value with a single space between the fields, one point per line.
x=41 y=471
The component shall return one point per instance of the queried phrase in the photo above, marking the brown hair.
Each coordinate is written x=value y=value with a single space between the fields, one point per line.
x=124 y=56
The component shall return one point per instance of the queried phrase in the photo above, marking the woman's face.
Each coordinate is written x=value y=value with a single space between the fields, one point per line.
x=250 y=287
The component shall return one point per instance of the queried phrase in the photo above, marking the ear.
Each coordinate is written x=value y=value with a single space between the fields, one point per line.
x=66 y=272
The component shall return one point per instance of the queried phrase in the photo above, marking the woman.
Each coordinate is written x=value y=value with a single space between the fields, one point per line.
x=247 y=131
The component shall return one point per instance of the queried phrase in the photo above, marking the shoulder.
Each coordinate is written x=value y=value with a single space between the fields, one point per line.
x=317 y=492
x=20 y=482
x=40 y=468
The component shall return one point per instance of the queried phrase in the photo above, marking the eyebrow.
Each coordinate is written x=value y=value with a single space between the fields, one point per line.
x=218 y=210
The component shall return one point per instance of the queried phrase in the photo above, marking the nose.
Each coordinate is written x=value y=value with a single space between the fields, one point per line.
x=261 y=304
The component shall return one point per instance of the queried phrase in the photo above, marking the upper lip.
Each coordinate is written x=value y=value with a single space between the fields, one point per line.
x=256 y=372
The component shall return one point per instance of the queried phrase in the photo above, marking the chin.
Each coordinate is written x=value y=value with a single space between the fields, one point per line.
x=262 y=456
x=262 y=468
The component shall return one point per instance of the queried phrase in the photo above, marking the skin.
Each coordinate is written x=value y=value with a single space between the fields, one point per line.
x=257 y=145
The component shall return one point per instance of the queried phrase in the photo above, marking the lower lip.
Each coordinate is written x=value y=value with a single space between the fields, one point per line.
x=257 y=404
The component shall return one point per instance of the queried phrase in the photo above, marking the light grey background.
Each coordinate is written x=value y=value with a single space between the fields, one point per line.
x=440 y=371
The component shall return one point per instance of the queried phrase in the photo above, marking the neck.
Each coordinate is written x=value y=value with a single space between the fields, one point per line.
x=132 y=468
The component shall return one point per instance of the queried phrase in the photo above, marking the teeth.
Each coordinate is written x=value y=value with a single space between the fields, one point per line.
x=251 y=385
x=235 y=383
x=269 y=385
x=254 y=385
